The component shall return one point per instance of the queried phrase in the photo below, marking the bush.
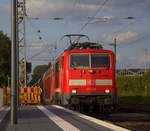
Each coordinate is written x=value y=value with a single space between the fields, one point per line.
x=134 y=85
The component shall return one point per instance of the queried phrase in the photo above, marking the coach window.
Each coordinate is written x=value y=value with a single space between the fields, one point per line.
x=62 y=64
x=46 y=93
x=56 y=67
x=79 y=61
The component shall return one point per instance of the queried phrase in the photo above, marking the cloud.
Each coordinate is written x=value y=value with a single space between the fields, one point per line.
x=133 y=62
x=35 y=46
x=126 y=36
x=43 y=7
x=79 y=9
x=143 y=59
x=39 y=50
x=82 y=8
x=55 y=8
x=38 y=45
x=121 y=38
x=125 y=5
x=140 y=61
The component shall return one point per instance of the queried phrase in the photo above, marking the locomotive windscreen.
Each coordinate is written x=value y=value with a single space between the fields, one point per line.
x=79 y=61
x=90 y=61
x=100 y=61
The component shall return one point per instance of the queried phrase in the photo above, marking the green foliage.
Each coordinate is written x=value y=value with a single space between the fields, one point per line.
x=134 y=89
x=38 y=72
x=134 y=85
x=134 y=100
x=5 y=53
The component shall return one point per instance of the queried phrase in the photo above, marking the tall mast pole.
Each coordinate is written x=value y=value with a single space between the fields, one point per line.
x=13 y=62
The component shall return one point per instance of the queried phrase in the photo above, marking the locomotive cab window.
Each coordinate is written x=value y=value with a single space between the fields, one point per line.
x=79 y=61
x=100 y=61
x=90 y=61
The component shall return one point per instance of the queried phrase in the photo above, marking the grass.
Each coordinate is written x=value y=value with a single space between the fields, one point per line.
x=134 y=89
x=134 y=100
x=134 y=96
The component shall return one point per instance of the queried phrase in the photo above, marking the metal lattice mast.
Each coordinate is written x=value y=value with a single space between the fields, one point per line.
x=21 y=16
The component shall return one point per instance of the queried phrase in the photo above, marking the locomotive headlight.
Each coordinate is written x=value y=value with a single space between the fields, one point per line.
x=107 y=91
x=74 y=91
x=91 y=71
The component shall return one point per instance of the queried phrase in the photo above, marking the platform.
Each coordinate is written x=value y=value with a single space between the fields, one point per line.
x=55 y=118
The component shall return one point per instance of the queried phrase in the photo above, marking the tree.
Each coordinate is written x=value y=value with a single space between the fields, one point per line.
x=38 y=72
x=5 y=53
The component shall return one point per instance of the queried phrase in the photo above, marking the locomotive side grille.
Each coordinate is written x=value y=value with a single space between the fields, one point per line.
x=77 y=82
x=90 y=82
x=104 y=82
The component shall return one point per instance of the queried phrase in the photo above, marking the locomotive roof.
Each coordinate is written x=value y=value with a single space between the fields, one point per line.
x=84 y=45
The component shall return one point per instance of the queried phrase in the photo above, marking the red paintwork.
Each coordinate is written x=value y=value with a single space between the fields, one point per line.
x=60 y=81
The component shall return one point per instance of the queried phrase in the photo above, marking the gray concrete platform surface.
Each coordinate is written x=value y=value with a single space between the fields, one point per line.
x=52 y=118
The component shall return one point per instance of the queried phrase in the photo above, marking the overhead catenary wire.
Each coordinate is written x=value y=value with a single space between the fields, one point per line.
x=134 y=41
x=116 y=33
x=38 y=32
x=101 y=7
x=98 y=11
x=60 y=50
x=74 y=5
x=53 y=53
x=140 y=37
x=46 y=46
x=122 y=28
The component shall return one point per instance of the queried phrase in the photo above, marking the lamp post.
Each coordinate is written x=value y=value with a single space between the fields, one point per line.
x=115 y=39
x=106 y=19
x=145 y=55
x=115 y=48
x=145 y=67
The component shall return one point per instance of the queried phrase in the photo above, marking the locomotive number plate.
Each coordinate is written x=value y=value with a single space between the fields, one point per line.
x=91 y=82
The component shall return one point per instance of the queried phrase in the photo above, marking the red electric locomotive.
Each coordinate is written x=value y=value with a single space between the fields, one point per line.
x=83 y=75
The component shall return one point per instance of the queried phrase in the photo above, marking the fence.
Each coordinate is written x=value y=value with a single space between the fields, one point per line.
x=27 y=95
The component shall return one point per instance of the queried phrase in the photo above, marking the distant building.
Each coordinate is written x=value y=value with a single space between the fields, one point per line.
x=130 y=72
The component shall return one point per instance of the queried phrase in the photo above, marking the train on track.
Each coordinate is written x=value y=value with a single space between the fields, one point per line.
x=83 y=76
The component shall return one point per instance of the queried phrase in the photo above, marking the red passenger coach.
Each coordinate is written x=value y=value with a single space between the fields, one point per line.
x=82 y=75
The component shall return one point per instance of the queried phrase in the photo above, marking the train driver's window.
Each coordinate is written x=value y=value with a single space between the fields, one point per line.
x=79 y=61
x=100 y=61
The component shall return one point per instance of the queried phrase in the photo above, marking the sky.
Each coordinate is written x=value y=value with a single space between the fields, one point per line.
x=101 y=20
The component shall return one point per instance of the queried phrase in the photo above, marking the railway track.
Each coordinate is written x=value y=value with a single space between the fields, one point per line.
x=133 y=117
